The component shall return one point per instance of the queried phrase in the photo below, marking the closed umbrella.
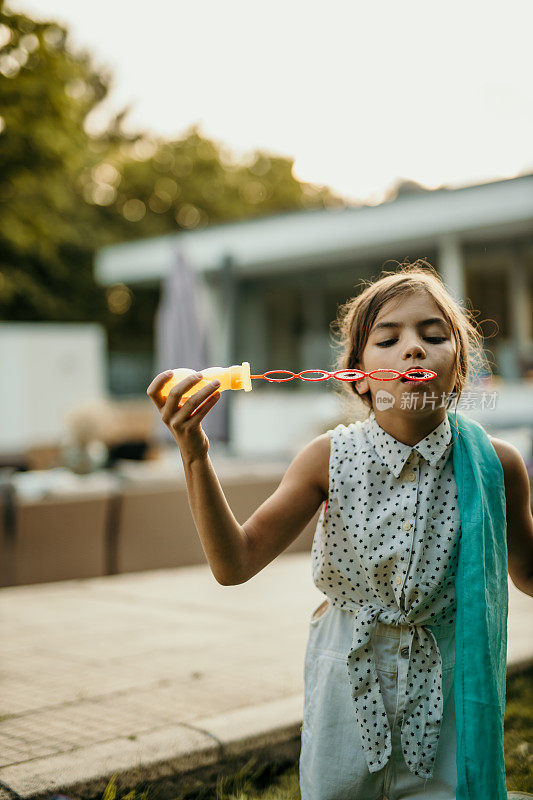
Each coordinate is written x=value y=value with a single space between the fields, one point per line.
x=181 y=336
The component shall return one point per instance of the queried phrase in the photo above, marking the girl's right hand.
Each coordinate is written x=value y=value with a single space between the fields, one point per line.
x=183 y=419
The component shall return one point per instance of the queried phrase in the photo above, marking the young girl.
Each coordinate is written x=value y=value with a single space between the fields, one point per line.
x=405 y=661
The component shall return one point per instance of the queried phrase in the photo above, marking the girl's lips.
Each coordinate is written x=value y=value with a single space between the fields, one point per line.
x=407 y=382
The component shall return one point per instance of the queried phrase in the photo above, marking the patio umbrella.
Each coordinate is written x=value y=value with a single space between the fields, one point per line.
x=181 y=337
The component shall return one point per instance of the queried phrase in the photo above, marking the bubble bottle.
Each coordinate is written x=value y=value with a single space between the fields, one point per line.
x=235 y=377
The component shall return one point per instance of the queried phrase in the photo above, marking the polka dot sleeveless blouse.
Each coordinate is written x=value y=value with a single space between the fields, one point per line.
x=386 y=548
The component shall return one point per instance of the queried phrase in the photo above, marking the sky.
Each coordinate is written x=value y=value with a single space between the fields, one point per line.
x=359 y=94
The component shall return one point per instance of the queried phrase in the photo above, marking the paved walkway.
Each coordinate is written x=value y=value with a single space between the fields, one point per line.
x=157 y=673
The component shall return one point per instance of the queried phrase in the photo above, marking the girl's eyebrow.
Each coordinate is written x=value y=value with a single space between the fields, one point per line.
x=430 y=321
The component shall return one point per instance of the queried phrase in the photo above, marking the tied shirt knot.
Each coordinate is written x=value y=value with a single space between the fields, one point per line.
x=422 y=715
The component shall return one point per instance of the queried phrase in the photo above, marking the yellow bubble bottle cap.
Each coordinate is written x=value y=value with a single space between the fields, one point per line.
x=240 y=376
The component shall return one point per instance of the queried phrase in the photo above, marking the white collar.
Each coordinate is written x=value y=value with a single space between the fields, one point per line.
x=394 y=454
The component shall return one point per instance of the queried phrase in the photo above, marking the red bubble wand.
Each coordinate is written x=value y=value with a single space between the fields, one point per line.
x=349 y=375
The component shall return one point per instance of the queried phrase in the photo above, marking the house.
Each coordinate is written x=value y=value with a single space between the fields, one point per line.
x=272 y=286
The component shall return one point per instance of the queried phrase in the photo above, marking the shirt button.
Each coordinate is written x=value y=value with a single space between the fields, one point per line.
x=404 y=652
x=406 y=526
x=397 y=580
x=411 y=476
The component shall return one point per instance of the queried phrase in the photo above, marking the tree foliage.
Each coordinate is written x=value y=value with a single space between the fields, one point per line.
x=65 y=192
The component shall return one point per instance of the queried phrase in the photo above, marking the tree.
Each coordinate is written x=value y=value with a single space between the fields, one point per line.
x=45 y=96
x=64 y=192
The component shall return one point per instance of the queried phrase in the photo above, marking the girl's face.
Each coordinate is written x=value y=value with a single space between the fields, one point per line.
x=411 y=341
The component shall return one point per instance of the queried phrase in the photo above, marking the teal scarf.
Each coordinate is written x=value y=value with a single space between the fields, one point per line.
x=481 y=620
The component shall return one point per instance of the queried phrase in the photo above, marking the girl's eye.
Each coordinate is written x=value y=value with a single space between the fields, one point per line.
x=432 y=339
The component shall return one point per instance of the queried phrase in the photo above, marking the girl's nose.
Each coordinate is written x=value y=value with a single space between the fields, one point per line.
x=414 y=350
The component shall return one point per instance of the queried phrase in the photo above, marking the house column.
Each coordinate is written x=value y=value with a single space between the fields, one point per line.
x=314 y=343
x=220 y=300
x=451 y=267
x=254 y=342
x=520 y=310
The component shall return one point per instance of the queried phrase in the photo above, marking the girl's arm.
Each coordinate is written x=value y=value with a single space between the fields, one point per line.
x=223 y=539
x=518 y=514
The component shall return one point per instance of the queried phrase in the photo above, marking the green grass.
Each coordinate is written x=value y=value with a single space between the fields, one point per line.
x=518 y=733
x=251 y=781
x=254 y=782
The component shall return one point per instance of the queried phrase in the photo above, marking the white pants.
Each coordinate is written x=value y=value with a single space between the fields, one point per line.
x=332 y=762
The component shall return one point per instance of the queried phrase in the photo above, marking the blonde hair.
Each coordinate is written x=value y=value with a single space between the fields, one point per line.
x=356 y=317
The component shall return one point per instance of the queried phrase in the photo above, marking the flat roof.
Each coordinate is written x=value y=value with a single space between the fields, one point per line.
x=309 y=238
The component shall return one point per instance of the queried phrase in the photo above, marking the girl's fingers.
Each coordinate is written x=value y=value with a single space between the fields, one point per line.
x=195 y=399
x=174 y=404
x=200 y=412
x=179 y=422
x=154 y=390
x=156 y=386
